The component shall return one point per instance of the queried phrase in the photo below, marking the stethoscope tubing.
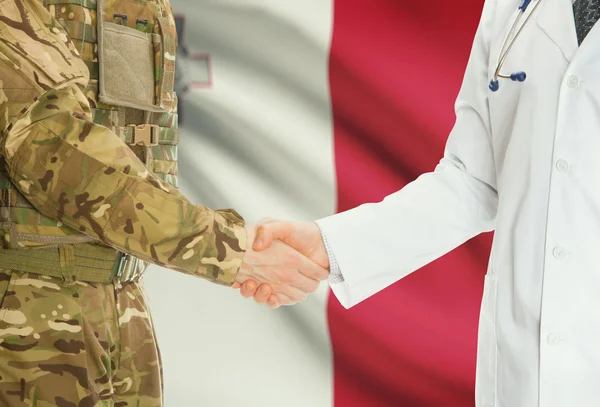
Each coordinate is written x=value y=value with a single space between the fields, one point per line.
x=508 y=43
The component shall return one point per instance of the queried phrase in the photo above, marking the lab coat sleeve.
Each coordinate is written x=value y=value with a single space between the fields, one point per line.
x=377 y=244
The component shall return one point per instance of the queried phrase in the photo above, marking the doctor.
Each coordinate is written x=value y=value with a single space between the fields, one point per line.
x=524 y=159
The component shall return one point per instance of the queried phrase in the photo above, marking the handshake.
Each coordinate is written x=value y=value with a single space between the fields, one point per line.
x=284 y=262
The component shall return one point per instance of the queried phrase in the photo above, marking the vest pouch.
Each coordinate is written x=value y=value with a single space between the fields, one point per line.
x=126 y=67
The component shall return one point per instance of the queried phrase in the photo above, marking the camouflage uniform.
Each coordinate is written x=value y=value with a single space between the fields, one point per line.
x=88 y=142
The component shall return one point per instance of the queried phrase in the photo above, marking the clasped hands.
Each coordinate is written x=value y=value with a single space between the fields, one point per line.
x=284 y=262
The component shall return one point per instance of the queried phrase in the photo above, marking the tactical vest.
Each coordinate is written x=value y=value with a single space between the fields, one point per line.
x=129 y=47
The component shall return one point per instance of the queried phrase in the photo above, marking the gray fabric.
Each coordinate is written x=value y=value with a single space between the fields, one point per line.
x=335 y=273
x=586 y=13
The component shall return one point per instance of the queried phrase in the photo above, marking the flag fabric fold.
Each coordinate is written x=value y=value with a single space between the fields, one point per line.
x=296 y=110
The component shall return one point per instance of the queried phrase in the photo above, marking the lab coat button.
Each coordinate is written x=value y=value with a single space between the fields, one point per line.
x=559 y=253
x=553 y=339
x=562 y=165
x=572 y=81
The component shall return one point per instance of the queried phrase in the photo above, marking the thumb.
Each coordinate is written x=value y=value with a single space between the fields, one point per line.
x=266 y=233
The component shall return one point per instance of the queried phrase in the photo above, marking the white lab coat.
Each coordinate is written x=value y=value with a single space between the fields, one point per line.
x=524 y=161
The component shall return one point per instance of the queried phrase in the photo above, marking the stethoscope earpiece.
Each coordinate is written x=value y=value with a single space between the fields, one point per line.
x=518 y=77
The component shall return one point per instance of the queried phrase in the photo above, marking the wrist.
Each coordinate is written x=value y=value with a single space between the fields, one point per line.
x=243 y=273
x=321 y=247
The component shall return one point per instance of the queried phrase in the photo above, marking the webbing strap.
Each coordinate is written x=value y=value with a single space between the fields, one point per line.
x=66 y=256
x=93 y=68
x=78 y=30
x=165 y=135
x=82 y=262
x=168 y=178
x=9 y=197
x=90 y=4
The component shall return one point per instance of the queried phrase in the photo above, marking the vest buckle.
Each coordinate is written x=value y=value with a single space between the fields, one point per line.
x=126 y=268
x=144 y=134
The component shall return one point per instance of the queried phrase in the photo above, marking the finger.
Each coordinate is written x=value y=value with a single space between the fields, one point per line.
x=263 y=293
x=249 y=288
x=314 y=271
x=273 y=302
x=284 y=299
x=304 y=284
x=266 y=233
x=236 y=285
x=311 y=269
x=295 y=294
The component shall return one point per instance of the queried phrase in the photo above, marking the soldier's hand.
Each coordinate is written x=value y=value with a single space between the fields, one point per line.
x=302 y=236
x=262 y=294
x=288 y=276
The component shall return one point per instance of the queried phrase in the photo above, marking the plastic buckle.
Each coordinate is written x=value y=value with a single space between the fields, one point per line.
x=144 y=134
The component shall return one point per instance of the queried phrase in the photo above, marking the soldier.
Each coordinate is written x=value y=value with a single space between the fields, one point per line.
x=88 y=197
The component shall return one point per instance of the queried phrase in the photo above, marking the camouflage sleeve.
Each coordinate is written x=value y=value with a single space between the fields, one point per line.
x=82 y=174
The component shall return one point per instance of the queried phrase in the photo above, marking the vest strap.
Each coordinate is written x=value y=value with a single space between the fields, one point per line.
x=153 y=134
x=90 y=263
x=89 y=4
x=66 y=256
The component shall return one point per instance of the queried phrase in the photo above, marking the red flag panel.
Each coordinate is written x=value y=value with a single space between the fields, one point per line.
x=395 y=70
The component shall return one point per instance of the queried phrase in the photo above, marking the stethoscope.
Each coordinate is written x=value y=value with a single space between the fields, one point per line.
x=507 y=45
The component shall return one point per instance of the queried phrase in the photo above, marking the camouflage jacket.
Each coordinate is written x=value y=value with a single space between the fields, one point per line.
x=78 y=172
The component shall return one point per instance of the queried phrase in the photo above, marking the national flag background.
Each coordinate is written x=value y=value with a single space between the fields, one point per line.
x=298 y=109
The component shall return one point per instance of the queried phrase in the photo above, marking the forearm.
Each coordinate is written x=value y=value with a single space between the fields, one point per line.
x=81 y=173
x=437 y=212
x=409 y=229
x=84 y=176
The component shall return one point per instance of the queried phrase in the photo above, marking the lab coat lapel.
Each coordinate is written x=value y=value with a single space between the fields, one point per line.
x=555 y=18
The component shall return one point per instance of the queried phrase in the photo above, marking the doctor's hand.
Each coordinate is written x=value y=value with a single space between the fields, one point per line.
x=305 y=237
x=288 y=275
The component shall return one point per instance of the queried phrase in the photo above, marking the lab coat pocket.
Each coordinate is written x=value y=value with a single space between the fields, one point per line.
x=485 y=387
